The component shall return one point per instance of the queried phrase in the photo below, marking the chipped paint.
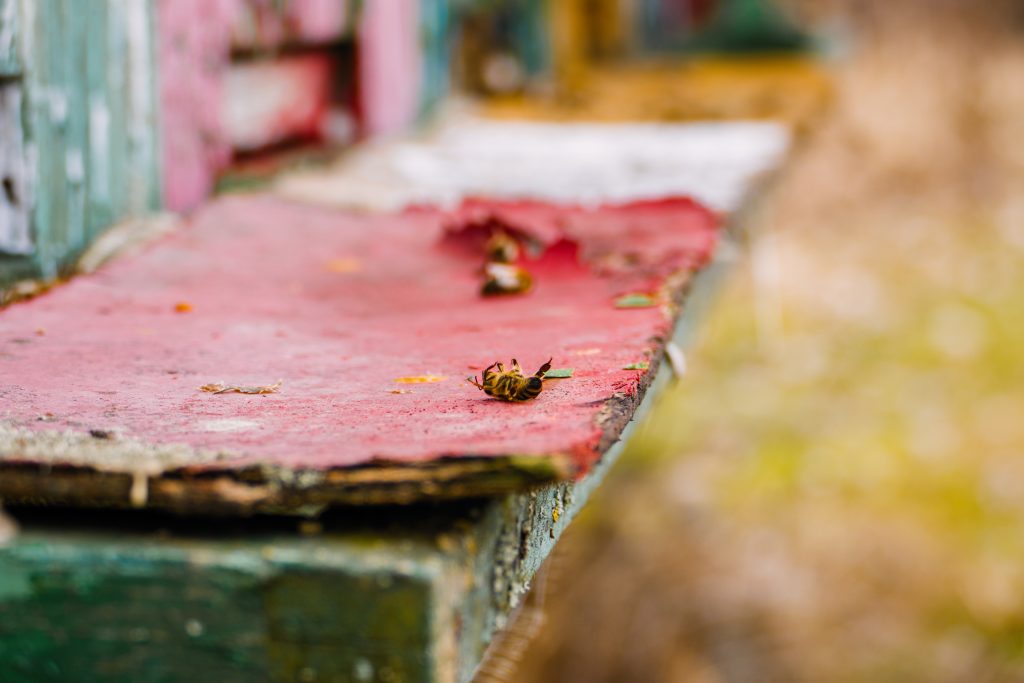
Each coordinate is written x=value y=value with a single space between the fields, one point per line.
x=228 y=425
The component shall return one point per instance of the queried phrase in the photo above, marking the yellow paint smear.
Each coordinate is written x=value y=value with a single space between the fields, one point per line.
x=421 y=379
x=344 y=265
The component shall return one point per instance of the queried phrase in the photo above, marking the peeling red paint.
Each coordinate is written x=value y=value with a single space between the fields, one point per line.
x=267 y=305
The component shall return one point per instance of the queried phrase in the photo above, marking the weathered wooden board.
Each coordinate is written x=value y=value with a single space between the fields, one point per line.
x=393 y=594
x=350 y=311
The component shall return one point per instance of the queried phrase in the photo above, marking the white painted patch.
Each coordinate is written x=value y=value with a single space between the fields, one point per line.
x=585 y=163
x=15 y=185
x=58 y=102
x=142 y=88
x=228 y=425
x=74 y=165
x=99 y=143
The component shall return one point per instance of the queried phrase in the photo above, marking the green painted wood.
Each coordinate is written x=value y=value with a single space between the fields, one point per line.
x=10 y=58
x=90 y=125
x=132 y=607
x=380 y=594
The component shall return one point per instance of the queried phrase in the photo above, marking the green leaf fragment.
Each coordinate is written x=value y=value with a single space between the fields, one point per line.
x=642 y=365
x=635 y=301
x=558 y=373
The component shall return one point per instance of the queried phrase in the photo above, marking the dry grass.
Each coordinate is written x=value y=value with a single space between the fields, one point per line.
x=836 y=493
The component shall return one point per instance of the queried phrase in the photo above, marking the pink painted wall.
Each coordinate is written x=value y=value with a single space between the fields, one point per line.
x=194 y=48
x=390 y=65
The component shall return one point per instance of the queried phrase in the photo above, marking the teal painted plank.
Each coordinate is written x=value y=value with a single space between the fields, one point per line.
x=123 y=177
x=89 y=111
x=10 y=59
x=46 y=129
x=105 y=123
x=139 y=102
x=128 y=607
x=73 y=55
x=436 y=45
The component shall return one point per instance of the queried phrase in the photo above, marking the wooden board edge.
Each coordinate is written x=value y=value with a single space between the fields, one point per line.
x=275 y=490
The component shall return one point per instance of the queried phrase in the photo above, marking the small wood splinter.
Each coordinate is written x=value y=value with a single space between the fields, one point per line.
x=221 y=388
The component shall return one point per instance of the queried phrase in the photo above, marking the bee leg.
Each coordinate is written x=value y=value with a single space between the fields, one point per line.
x=473 y=380
x=516 y=367
x=544 y=368
x=501 y=367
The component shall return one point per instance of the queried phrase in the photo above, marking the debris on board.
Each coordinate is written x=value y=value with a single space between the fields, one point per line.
x=636 y=300
x=640 y=365
x=559 y=373
x=183 y=307
x=421 y=379
x=344 y=265
x=221 y=388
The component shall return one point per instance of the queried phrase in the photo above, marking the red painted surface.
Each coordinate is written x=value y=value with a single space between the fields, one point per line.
x=338 y=306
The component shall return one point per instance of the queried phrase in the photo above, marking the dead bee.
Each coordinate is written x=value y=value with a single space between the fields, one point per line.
x=511 y=385
x=502 y=248
x=505 y=278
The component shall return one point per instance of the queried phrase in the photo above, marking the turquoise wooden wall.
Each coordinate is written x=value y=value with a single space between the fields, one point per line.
x=82 y=73
x=435 y=36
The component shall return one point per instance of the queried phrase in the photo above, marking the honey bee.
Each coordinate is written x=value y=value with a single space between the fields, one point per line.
x=502 y=248
x=505 y=278
x=510 y=385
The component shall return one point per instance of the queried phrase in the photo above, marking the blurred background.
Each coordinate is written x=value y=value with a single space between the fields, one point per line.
x=836 y=490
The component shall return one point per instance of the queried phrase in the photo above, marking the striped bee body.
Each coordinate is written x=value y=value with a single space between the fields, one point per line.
x=512 y=384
